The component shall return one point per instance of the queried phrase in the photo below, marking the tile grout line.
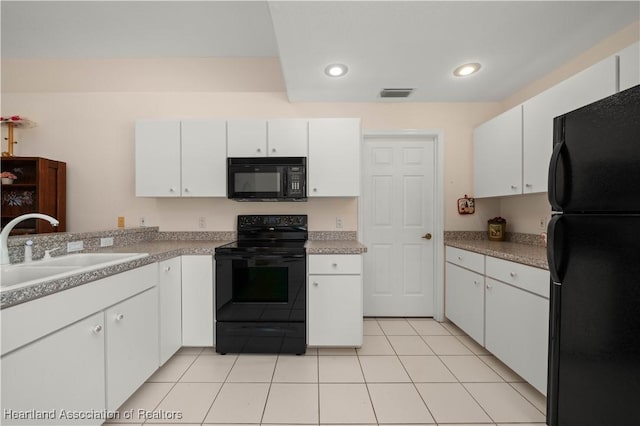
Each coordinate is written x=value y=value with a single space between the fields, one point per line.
x=221 y=386
x=366 y=384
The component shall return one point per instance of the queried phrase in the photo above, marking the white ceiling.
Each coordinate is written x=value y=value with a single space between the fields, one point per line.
x=386 y=44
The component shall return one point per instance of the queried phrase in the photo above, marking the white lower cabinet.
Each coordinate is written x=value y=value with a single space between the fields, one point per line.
x=170 y=307
x=197 y=300
x=131 y=332
x=335 y=300
x=58 y=375
x=90 y=348
x=464 y=303
x=504 y=306
x=517 y=330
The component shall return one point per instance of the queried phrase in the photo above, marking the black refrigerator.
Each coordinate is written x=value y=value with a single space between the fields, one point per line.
x=594 y=261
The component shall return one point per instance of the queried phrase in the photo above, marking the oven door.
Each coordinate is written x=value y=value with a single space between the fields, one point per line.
x=246 y=182
x=260 y=288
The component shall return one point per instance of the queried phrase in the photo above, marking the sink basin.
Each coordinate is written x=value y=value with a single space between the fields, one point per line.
x=12 y=275
x=87 y=259
x=58 y=267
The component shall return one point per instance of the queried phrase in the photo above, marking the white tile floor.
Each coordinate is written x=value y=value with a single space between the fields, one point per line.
x=408 y=371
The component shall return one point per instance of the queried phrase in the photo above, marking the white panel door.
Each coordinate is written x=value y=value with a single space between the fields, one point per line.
x=288 y=137
x=158 y=158
x=398 y=211
x=204 y=158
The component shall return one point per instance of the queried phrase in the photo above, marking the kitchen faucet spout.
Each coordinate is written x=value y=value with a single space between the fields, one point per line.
x=4 y=235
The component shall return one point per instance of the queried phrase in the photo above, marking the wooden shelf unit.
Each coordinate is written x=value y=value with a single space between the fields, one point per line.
x=40 y=187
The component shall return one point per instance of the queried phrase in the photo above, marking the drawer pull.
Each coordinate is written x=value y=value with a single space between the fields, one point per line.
x=335 y=265
x=119 y=317
x=489 y=287
x=459 y=257
x=97 y=329
x=167 y=269
x=315 y=283
x=476 y=282
x=513 y=274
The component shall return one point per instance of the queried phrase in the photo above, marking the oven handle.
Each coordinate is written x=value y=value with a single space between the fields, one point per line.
x=260 y=256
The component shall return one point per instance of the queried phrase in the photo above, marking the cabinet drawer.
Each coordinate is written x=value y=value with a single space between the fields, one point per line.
x=335 y=264
x=528 y=278
x=466 y=259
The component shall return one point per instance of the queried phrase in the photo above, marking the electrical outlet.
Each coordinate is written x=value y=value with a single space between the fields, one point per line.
x=202 y=222
x=542 y=224
x=142 y=221
x=120 y=221
x=106 y=242
x=339 y=223
x=74 y=246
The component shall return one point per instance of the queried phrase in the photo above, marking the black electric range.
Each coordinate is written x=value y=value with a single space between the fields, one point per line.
x=261 y=286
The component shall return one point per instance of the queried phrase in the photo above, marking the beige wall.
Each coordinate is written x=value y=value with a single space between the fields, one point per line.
x=86 y=111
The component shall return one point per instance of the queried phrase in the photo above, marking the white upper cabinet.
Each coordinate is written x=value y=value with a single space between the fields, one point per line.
x=272 y=138
x=247 y=138
x=204 y=151
x=334 y=157
x=181 y=158
x=497 y=154
x=158 y=158
x=288 y=137
x=629 y=66
x=590 y=85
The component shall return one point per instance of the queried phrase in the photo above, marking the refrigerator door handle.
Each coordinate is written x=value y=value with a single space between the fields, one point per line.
x=555 y=199
x=554 y=247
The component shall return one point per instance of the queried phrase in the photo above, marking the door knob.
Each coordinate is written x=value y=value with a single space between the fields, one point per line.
x=427 y=236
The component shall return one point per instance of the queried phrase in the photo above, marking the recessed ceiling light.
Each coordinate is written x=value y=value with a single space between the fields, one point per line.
x=466 y=69
x=336 y=70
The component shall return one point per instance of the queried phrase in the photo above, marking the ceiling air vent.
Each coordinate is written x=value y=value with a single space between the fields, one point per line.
x=395 y=93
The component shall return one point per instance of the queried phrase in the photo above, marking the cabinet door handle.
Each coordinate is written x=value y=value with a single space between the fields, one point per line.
x=315 y=283
x=315 y=189
x=273 y=150
x=489 y=287
x=459 y=257
x=167 y=269
x=119 y=317
x=258 y=150
x=97 y=329
x=513 y=274
x=514 y=186
x=335 y=265
x=186 y=190
x=476 y=282
x=528 y=185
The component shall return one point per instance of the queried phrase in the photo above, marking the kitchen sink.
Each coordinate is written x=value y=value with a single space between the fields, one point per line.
x=12 y=275
x=59 y=267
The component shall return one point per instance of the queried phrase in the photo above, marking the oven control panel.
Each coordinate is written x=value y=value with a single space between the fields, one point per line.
x=270 y=221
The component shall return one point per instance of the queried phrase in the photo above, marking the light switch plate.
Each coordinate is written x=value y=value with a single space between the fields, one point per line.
x=74 y=246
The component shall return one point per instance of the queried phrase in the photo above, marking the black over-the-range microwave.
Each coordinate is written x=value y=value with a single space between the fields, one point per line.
x=267 y=179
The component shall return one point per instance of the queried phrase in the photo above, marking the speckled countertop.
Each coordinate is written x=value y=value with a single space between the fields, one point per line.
x=158 y=250
x=526 y=254
x=335 y=247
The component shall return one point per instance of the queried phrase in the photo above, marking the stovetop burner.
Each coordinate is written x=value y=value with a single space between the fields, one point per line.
x=269 y=234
